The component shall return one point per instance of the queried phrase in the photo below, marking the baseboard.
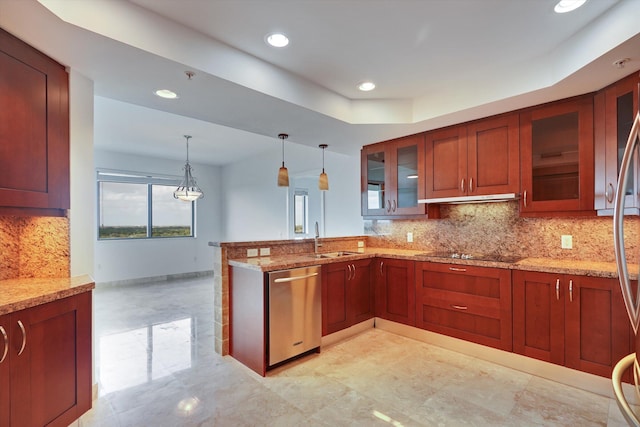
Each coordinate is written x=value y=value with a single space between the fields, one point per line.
x=582 y=380
x=154 y=279
x=342 y=335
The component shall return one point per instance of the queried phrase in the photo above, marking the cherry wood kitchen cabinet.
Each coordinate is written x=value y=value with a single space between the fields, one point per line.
x=468 y=302
x=47 y=369
x=392 y=179
x=557 y=165
x=34 y=127
x=576 y=321
x=615 y=107
x=478 y=158
x=347 y=295
x=395 y=294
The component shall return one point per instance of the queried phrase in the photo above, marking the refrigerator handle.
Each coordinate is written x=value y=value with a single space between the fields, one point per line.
x=632 y=305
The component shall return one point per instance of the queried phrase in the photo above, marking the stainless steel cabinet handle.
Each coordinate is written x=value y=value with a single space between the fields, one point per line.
x=470 y=185
x=524 y=198
x=608 y=193
x=462 y=185
x=393 y=209
x=381 y=264
x=352 y=271
x=571 y=290
x=24 y=337
x=558 y=289
x=459 y=307
x=457 y=269
x=6 y=344
x=388 y=205
x=279 y=280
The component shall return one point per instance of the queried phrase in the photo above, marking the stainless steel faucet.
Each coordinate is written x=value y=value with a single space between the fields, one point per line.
x=315 y=240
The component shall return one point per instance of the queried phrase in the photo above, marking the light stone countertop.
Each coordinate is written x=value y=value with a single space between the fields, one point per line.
x=548 y=265
x=19 y=294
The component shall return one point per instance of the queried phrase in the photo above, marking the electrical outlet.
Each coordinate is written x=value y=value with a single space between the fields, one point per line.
x=360 y=244
x=566 y=241
x=265 y=251
x=410 y=237
x=252 y=253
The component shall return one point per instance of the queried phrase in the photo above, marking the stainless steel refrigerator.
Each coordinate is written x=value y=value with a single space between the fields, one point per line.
x=628 y=282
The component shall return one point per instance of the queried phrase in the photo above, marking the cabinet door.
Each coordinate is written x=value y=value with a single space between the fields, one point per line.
x=467 y=302
x=51 y=376
x=538 y=315
x=493 y=157
x=374 y=185
x=446 y=162
x=615 y=109
x=395 y=290
x=406 y=175
x=557 y=158
x=335 y=287
x=5 y=353
x=35 y=127
x=361 y=297
x=597 y=327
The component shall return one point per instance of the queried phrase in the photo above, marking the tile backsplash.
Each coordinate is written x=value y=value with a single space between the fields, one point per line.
x=496 y=228
x=34 y=247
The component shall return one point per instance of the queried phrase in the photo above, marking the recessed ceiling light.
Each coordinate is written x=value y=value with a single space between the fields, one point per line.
x=366 y=86
x=564 y=6
x=277 y=40
x=166 y=93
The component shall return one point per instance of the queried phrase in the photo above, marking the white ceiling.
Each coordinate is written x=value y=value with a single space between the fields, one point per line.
x=436 y=62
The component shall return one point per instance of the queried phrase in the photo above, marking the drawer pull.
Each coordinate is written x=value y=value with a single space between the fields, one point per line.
x=459 y=307
x=558 y=289
x=457 y=269
x=6 y=344
x=24 y=337
x=462 y=185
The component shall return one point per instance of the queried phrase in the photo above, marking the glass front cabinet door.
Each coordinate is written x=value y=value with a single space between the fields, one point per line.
x=557 y=158
x=391 y=177
x=615 y=108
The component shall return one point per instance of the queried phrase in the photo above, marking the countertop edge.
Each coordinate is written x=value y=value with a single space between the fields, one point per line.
x=23 y=293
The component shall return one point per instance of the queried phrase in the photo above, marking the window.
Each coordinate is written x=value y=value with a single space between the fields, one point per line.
x=300 y=211
x=139 y=206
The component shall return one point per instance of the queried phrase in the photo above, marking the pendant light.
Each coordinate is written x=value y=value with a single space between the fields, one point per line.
x=188 y=189
x=323 y=182
x=283 y=173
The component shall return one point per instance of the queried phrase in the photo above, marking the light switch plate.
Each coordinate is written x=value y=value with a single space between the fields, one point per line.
x=410 y=237
x=265 y=251
x=252 y=253
x=566 y=241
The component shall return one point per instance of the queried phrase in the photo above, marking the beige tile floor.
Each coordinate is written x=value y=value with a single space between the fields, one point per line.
x=156 y=367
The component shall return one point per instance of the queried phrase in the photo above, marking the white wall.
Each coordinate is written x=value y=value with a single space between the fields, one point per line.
x=82 y=175
x=255 y=208
x=118 y=260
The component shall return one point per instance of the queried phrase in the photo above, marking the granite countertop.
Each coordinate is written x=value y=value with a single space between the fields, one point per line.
x=548 y=265
x=19 y=294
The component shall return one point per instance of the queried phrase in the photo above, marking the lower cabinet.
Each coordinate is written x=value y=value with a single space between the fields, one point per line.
x=467 y=302
x=347 y=295
x=46 y=363
x=576 y=321
x=395 y=293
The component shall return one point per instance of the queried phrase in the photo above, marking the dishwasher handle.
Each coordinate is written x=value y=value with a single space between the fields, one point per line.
x=293 y=279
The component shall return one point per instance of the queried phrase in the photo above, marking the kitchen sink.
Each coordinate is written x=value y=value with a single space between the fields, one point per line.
x=337 y=254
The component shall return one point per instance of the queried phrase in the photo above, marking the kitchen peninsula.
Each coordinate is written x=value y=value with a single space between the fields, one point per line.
x=495 y=304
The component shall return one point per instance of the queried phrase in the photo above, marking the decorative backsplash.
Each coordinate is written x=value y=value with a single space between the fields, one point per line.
x=496 y=228
x=34 y=247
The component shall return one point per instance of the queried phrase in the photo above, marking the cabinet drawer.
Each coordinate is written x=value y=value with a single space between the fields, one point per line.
x=471 y=303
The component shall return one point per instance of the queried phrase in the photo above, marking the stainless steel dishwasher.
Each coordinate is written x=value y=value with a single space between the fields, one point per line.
x=295 y=312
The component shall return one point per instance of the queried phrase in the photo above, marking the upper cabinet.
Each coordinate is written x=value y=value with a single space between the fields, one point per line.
x=556 y=145
x=615 y=108
x=34 y=131
x=479 y=158
x=391 y=178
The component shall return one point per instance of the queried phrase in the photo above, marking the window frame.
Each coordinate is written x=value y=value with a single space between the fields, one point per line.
x=149 y=179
